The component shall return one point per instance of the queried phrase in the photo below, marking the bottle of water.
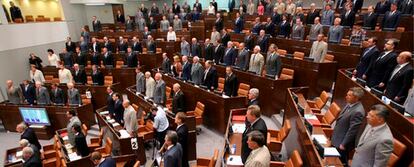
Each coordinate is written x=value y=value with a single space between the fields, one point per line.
x=233 y=149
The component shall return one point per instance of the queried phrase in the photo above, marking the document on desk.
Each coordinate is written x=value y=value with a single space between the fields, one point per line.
x=111 y=121
x=320 y=138
x=124 y=133
x=238 y=128
x=234 y=160
x=19 y=153
x=104 y=112
x=73 y=156
x=65 y=138
x=331 y=152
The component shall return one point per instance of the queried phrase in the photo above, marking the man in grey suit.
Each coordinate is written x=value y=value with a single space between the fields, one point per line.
x=42 y=94
x=74 y=97
x=375 y=145
x=159 y=90
x=197 y=71
x=319 y=49
x=273 y=61
x=149 y=85
x=14 y=94
x=315 y=29
x=336 y=32
x=298 y=31
x=164 y=24
x=177 y=24
x=185 y=47
x=140 y=23
x=140 y=80
x=129 y=25
x=348 y=123
x=327 y=16
x=242 y=59
x=256 y=61
x=73 y=120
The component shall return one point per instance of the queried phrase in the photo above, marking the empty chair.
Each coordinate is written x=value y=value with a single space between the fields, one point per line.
x=108 y=80
x=294 y=161
x=221 y=81
x=84 y=129
x=107 y=149
x=168 y=92
x=208 y=162
x=329 y=58
x=19 y=20
x=399 y=149
x=198 y=113
x=146 y=131
x=298 y=55
x=49 y=151
x=48 y=78
x=400 y=29
x=330 y=115
x=286 y=73
x=57 y=19
x=281 y=52
x=243 y=89
x=275 y=138
x=319 y=102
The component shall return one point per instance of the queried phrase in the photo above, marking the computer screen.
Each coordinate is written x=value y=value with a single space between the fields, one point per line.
x=34 y=116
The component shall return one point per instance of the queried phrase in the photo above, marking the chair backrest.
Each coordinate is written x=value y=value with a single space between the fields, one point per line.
x=28 y=17
x=298 y=55
x=284 y=132
x=108 y=80
x=295 y=160
x=168 y=91
x=345 y=42
x=332 y=113
x=84 y=129
x=281 y=52
x=119 y=64
x=221 y=81
x=286 y=73
x=214 y=160
x=329 y=58
x=149 y=125
x=19 y=20
x=49 y=78
x=399 y=149
x=89 y=79
x=57 y=19
x=243 y=89
x=108 y=145
x=321 y=101
x=400 y=29
x=199 y=110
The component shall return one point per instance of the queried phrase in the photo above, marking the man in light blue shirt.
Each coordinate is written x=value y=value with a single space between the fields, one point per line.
x=160 y=124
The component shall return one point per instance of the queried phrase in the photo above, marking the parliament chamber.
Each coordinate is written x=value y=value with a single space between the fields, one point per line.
x=178 y=83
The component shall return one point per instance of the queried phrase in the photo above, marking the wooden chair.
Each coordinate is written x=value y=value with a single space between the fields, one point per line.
x=27 y=17
x=281 y=52
x=345 y=42
x=317 y=104
x=198 y=113
x=243 y=89
x=294 y=161
x=286 y=73
x=330 y=115
x=49 y=151
x=400 y=29
x=89 y=80
x=96 y=142
x=57 y=19
x=119 y=64
x=107 y=149
x=55 y=80
x=108 y=80
x=168 y=91
x=221 y=81
x=208 y=162
x=329 y=58
x=84 y=129
x=399 y=149
x=275 y=138
x=48 y=78
x=146 y=131
x=19 y=20
x=298 y=55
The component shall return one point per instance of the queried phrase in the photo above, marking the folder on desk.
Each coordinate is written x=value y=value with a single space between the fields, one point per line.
x=240 y=118
x=320 y=138
x=331 y=152
x=104 y=112
x=234 y=160
x=312 y=119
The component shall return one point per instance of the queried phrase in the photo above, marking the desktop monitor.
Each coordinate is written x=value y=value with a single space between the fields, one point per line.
x=34 y=116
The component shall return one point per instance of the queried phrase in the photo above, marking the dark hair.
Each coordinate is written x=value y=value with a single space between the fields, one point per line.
x=381 y=110
x=257 y=137
x=172 y=136
x=72 y=112
x=374 y=39
x=50 y=50
x=116 y=94
x=77 y=128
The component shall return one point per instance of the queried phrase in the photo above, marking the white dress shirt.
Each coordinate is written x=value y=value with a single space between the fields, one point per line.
x=37 y=76
x=53 y=60
x=171 y=36
x=65 y=76
x=160 y=121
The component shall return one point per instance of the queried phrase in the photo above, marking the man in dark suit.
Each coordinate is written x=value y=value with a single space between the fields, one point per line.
x=99 y=161
x=173 y=151
x=269 y=27
x=29 y=92
x=131 y=58
x=176 y=8
x=276 y=17
x=401 y=79
x=118 y=108
x=284 y=27
x=96 y=24
x=219 y=24
x=210 y=78
x=255 y=123
x=382 y=7
x=348 y=123
x=30 y=159
x=56 y=94
x=108 y=44
x=166 y=63
x=109 y=101
x=178 y=103
x=108 y=58
x=79 y=75
x=219 y=53
x=195 y=48
x=242 y=60
x=231 y=83
x=257 y=26
x=380 y=69
x=369 y=55
x=81 y=58
x=208 y=50
x=15 y=12
x=312 y=14
x=391 y=19
x=229 y=55
x=129 y=25
x=80 y=141
x=249 y=40
x=273 y=61
x=70 y=46
x=151 y=46
x=152 y=24
x=182 y=133
x=186 y=73
x=122 y=45
x=348 y=16
x=370 y=19
x=28 y=134
x=97 y=76
x=197 y=5
x=406 y=7
x=95 y=47
x=357 y=5
x=159 y=95
x=120 y=18
x=238 y=23
x=262 y=41
x=252 y=97
x=136 y=45
x=67 y=58
x=225 y=37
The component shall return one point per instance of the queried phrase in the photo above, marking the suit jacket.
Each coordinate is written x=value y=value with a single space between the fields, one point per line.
x=374 y=151
x=166 y=65
x=80 y=77
x=159 y=92
x=198 y=7
x=109 y=59
x=256 y=28
x=370 y=20
x=57 y=96
x=256 y=63
x=185 y=48
x=318 y=51
x=195 y=50
x=219 y=24
x=314 y=31
x=311 y=16
x=109 y=46
x=197 y=73
x=177 y=25
x=136 y=47
x=110 y=104
x=259 y=125
x=225 y=39
x=406 y=7
x=123 y=47
x=357 y=5
x=348 y=20
x=335 y=34
x=96 y=47
x=210 y=78
x=263 y=43
x=367 y=57
x=129 y=26
x=67 y=59
x=140 y=23
x=259 y=158
x=347 y=126
x=42 y=95
x=231 y=85
x=209 y=52
x=214 y=37
x=176 y=9
x=381 y=69
x=249 y=42
x=151 y=47
x=242 y=60
x=327 y=17
x=108 y=162
x=131 y=60
x=276 y=18
x=83 y=46
x=273 y=64
x=186 y=73
x=33 y=161
x=149 y=87
x=96 y=25
x=14 y=95
x=164 y=24
x=173 y=156
x=182 y=133
x=140 y=82
x=400 y=83
x=391 y=20
x=229 y=56
x=30 y=135
x=298 y=32
x=381 y=8
x=219 y=53
x=120 y=18
x=73 y=121
x=81 y=145
x=178 y=103
x=29 y=93
x=284 y=29
x=81 y=59
x=270 y=28
x=119 y=111
x=70 y=47
x=238 y=25
x=96 y=59
x=97 y=78
x=74 y=97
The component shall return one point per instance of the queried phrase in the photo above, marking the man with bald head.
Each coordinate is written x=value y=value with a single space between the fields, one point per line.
x=336 y=32
x=197 y=71
x=401 y=78
x=229 y=55
x=159 y=90
x=130 y=118
x=178 y=103
x=74 y=97
x=14 y=94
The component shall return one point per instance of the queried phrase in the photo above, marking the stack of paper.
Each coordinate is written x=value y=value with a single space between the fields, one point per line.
x=73 y=156
x=331 y=152
x=115 y=124
x=19 y=153
x=320 y=138
x=234 y=160
x=108 y=117
x=111 y=121
x=124 y=133
x=104 y=112
x=65 y=138
x=238 y=128
x=225 y=96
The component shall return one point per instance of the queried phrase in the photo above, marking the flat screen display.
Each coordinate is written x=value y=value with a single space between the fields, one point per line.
x=34 y=116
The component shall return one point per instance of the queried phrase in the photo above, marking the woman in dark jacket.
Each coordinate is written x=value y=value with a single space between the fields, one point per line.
x=34 y=60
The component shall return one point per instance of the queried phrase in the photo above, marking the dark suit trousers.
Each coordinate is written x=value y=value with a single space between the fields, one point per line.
x=161 y=137
x=344 y=156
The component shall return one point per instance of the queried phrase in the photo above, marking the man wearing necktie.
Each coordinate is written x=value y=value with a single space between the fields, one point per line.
x=368 y=55
x=391 y=19
x=375 y=145
x=253 y=116
x=273 y=61
x=256 y=61
x=348 y=123
x=210 y=79
x=238 y=24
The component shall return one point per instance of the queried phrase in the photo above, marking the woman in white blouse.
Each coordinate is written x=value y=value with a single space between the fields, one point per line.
x=53 y=58
x=65 y=76
x=250 y=7
x=171 y=34
x=211 y=10
x=36 y=75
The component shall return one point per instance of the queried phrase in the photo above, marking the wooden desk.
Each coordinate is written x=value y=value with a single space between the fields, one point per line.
x=401 y=127
x=233 y=138
x=272 y=96
x=10 y=159
x=84 y=161
x=190 y=121
x=216 y=109
x=124 y=143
